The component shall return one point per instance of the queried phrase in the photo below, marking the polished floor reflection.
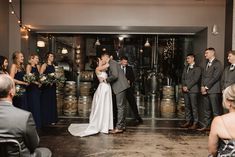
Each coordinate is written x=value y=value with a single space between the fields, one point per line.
x=153 y=138
x=149 y=107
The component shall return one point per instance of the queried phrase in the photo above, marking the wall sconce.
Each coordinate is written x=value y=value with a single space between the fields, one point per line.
x=64 y=51
x=147 y=44
x=41 y=43
x=97 y=43
x=215 y=30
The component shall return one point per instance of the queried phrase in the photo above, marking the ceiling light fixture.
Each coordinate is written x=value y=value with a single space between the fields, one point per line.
x=121 y=38
x=97 y=43
x=41 y=43
x=147 y=44
x=64 y=51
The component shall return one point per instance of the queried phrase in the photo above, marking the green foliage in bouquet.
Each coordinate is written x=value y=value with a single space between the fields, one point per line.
x=30 y=78
x=19 y=90
x=51 y=78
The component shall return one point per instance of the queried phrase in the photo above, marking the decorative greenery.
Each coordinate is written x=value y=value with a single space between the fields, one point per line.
x=30 y=78
x=19 y=90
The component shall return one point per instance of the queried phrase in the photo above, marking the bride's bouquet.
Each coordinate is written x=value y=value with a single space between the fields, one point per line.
x=30 y=78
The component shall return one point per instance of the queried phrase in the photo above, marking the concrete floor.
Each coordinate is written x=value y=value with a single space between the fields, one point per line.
x=153 y=138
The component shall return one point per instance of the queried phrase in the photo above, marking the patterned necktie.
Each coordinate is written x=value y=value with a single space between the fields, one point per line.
x=124 y=69
x=208 y=65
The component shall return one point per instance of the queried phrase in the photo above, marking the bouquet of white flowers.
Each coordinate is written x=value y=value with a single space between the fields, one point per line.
x=47 y=79
x=19 y=90
x=30 y=78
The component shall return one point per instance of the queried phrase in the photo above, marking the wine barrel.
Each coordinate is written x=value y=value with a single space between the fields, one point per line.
x=181 y=108
x=59 y=71
x=59 y=100
x=168 y=92
x=70 y=88
x=84 y=106
x=70 y=106
x=85 y=88
x=168 y=108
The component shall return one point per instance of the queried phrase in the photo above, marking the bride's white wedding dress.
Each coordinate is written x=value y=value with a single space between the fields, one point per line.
x=101 y=116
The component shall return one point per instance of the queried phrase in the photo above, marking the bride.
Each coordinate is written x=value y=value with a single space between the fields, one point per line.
x=101 y=116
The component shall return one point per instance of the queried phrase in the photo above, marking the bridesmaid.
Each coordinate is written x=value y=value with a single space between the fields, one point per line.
x=33 y=91
x=17 y=72
x=3 y=65
x=48 y=95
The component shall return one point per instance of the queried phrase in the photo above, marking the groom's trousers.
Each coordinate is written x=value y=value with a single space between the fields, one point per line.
x=121 y=110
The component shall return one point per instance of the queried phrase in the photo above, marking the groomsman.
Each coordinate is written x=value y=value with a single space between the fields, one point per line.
x=128 y=71
x=190 y=82
x=228 y=77
x=210 y=88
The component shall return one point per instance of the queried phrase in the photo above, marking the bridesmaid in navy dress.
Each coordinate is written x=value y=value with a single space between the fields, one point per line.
x=17 y=72
x=48 y=95
x=33 y=91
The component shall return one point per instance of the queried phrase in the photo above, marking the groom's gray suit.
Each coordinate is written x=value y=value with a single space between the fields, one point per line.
x=119 y=85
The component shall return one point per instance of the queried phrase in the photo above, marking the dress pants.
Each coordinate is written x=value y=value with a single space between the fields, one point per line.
x=132 y=102
x=212 y=107
x=191 y=107
x=121 y=110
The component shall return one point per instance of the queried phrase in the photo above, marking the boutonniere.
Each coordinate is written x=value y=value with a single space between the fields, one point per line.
x=191 y=67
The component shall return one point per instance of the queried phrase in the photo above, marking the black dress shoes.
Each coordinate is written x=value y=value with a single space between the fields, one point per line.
x=186 y=125
x=204 y=129
x=194 y=126
x=139 y=120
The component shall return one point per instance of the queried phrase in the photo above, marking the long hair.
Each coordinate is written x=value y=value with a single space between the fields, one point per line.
x=47 y=56
x=15 y=57
x=2 y=59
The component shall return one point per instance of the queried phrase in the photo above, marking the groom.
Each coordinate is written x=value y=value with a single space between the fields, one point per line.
x=119 y=85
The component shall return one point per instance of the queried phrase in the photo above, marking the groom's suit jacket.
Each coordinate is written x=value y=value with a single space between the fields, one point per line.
x=19 y=125
x=116 y=77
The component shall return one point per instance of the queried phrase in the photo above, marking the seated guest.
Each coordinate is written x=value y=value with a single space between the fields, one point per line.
x=18 y=124
x=3 y=65
x=228 y=77
x=222 y=135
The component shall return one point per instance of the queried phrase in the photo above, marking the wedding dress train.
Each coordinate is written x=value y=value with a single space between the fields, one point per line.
x=101 y=116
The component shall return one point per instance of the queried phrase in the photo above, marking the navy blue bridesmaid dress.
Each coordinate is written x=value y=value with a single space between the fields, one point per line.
x=21 y=101
x=33 y=99
x=48 y=100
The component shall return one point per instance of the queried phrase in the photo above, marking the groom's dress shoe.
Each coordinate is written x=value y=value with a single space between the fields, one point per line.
x=116 y=131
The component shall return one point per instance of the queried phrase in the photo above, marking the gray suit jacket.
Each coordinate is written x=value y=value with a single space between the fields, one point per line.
x=211 y=77
x=117 y=77
x=192 y=79
x=228 y=78
x=19 y=125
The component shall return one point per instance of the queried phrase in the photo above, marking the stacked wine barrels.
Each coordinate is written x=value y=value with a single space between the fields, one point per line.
x=70 y=107
x=181 y=104
x=85 y=89
x=59 y=72
x=84 y=106
x=168 y=108
x=181 y=108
